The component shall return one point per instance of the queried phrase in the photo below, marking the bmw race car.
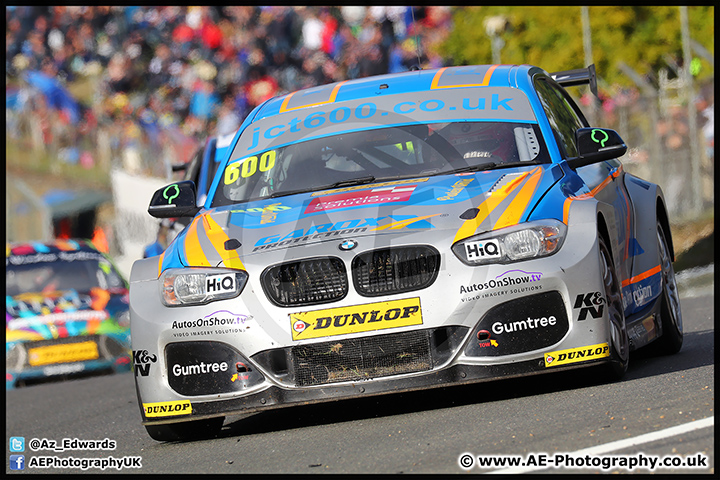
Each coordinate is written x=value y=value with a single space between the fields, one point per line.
x=66 y=312
x=400 y=232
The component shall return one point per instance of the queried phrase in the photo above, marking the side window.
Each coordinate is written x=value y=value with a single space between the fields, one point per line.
x=193 y=169
x=212 y=167
x=563 y=115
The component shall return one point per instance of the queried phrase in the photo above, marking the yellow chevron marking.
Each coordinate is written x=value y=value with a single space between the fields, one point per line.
x=193 y=251
x=512 y=214
x=469 y=227
x=333 y=96
x=439 y=74
x=218 y=237
x=160 y=262
x=403 y=223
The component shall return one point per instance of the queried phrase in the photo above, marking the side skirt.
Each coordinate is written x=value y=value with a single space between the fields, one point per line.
x=644 y=326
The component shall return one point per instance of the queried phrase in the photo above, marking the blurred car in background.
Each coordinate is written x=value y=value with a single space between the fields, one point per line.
x=66 y=312
x=200 y=170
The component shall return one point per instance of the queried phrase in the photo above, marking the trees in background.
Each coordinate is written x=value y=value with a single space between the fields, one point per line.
x=645 y=38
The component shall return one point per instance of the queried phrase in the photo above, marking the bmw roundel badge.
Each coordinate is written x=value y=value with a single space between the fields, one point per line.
x=347 y=245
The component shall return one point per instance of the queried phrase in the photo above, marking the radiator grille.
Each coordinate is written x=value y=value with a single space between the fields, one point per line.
x=364 y=358
x=395 y=270
x=310 y=281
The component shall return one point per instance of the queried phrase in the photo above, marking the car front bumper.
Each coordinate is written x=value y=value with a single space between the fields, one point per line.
x=477 y=316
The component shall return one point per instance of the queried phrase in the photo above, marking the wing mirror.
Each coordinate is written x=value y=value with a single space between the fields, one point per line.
x=596 y=145
x=174 y=200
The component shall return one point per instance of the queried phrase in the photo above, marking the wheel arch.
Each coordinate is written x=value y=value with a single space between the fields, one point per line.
x=662 y=218
x=603 y=230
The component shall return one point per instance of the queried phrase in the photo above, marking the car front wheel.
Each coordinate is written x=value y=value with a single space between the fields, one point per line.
x=619 y=343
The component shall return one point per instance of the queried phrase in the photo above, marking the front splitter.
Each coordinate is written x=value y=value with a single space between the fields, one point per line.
x=278 y=397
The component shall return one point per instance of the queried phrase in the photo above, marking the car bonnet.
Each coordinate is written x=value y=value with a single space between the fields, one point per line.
x=458 y=205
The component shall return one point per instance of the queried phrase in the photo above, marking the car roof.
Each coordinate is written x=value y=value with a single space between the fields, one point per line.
x=51 y=247
x=404 y=82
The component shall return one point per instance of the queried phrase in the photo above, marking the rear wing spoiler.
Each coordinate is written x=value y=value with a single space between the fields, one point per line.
x=579 y=76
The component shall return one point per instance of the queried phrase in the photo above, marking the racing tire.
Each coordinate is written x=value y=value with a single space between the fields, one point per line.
x=619 y=343
x=185 y=431
x=671 y=340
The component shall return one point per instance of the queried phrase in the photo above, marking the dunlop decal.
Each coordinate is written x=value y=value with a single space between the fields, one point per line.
x=358 y=318
x=167 y=409
x=575 y=355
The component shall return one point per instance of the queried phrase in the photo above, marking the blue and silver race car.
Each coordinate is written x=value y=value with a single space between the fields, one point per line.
x=401 y=232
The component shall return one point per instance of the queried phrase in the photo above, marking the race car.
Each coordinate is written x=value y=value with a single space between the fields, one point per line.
x=400 y=232
x=66 y=313
x=201 y=170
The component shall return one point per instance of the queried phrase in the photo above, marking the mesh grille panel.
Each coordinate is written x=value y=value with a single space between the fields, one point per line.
x=362 y=358
x=310 y=281
x=395 y=270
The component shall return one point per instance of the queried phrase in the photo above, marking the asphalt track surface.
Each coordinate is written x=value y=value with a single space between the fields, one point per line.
x=416 y=432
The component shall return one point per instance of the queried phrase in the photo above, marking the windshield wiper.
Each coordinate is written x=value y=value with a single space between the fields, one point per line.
x=341 y=183
x=487 y=166
x=352 y=181
x=293 y=192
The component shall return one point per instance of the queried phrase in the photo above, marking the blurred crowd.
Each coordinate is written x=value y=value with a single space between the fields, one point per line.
x=151 y=83
x=198 y=71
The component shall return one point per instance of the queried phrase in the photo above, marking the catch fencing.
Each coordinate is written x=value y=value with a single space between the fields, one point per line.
x=655 y=126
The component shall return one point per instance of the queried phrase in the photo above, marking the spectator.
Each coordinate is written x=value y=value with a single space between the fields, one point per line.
x=228 y=119
x=204 y=100
x=311 y=30
x=171 y=69
x=260 y=86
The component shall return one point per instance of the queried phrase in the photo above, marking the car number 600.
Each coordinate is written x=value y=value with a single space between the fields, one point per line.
x=249 y=167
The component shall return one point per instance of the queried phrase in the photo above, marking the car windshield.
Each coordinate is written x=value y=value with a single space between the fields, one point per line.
x=379 y=154
x=80 y=275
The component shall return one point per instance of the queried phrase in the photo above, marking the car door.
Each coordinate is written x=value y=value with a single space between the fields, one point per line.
x=605 y=179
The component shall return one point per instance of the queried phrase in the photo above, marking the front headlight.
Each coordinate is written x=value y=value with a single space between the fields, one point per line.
x=512 y=244
x=198 y=286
